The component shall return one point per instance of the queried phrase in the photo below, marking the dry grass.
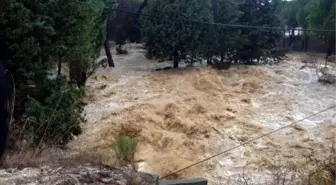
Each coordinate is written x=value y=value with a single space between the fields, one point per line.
x=30 y=157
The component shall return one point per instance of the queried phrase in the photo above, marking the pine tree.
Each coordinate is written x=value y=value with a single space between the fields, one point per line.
x=321 y=14
x=288 y=18
x=173 y=36
x=197 y=11
x=38 y=35
x=301 y=15
x=259 y=45
x=127 y=24
x=81 y=32
x=225 y=12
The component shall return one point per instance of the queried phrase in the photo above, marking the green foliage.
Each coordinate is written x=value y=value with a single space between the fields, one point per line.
x=55 y=115
x=302 y=13
x=321 y=14
x=259 y=44
x=313 y=14
x=24 y=41
x=127 y=24
x=222 y=41
x=287 y=13
x=82 y=31
x=166 y=37
x=34 y=36
x=125 y=148
x=173 y=36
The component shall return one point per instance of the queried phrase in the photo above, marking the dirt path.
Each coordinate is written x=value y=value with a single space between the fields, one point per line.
x=182 y=116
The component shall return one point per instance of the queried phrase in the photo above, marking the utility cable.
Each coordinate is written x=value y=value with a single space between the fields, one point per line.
x=209 y=23
x=247 y=142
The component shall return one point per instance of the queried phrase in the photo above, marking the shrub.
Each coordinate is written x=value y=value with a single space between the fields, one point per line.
x=38 y=36
x=125 y=149
x=55 y=113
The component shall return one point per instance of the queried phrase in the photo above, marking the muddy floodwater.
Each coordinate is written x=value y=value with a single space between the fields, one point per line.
x=182 y=116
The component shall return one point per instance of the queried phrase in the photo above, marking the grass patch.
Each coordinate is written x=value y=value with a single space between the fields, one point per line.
x=125 y=149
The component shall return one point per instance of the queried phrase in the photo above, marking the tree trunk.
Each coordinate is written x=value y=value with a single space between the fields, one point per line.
x=209 y=60
x=302 y=44
x=108 y=54
x=176 y=59
x=142 y=6
x=291 y=37
x=306 y=43
x=192 y=58
x=330 y=43
x=59 y=66
x=222 y=57
x=293 y=34
x=82 y=79
x=107 y=49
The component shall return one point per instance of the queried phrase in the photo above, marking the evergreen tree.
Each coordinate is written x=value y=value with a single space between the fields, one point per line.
x=172 y=35
x=107 y=14
x=36 y=35
x=321 y=14
x=301 y=16
x=226 y=12
x=288 y=17
x=194 y=33
x=259 y=45
x=127 y=24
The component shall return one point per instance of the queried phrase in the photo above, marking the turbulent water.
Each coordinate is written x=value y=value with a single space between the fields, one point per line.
x=182 y=116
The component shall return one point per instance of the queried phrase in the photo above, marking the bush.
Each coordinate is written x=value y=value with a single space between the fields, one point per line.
x=125 y=149
x=39 y=36
x=54 y=115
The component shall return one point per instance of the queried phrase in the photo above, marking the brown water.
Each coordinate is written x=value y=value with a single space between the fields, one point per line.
x=179 y=117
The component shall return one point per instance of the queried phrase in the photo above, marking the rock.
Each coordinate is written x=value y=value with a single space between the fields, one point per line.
x=81 y=174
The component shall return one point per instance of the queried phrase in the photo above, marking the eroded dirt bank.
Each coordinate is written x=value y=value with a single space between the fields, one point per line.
x=179 y=117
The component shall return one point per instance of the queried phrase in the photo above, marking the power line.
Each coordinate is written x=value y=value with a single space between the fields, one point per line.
x=224 y=25
x=210 y=23
x=234 y=26
x=247 y=142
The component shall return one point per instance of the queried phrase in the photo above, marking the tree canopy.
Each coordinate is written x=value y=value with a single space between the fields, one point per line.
x=39 y=36
x=182 y=29
x=321 y=14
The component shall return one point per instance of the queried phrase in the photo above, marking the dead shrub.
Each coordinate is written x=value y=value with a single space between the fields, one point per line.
x=322 y=71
